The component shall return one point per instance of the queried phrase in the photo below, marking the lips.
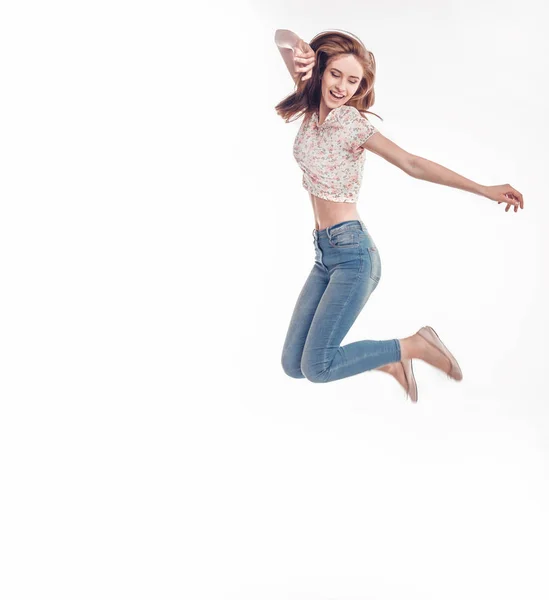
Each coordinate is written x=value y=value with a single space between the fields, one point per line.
x=337 y=97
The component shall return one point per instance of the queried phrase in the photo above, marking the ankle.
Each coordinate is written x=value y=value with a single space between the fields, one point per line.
x=408 y=347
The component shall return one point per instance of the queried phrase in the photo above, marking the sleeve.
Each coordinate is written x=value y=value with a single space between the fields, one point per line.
x=357 y=128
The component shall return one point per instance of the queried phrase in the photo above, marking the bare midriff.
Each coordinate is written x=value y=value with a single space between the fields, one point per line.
x=328 y=213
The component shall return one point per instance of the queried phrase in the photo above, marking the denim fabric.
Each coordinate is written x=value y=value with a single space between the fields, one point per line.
x=346 y=271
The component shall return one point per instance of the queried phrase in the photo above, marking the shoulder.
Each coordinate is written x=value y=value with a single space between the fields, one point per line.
x=348 y=114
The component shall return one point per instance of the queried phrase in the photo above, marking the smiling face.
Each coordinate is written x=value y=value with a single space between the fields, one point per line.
x=342 y=76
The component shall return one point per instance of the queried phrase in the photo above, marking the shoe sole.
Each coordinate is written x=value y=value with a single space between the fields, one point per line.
x=431 y=336
x=410 y=380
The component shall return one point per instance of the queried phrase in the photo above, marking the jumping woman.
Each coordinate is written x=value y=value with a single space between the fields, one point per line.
x=334 y=77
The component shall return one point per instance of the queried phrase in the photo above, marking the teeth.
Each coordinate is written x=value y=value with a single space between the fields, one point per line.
x=336 y=95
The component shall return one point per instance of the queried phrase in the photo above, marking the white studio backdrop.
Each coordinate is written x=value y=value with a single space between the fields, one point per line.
x=154 y=238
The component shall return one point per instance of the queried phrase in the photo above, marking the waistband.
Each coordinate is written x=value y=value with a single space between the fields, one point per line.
x=329 y=231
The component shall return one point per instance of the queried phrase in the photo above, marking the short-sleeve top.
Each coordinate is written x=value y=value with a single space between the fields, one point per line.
x=330 y=155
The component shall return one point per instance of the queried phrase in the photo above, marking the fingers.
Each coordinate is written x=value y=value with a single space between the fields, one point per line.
x=519 y=196
x=516 y=196
x=510 y=202
x=508 y=194
x=301 y=54
x=306 y=60
x=513 y=198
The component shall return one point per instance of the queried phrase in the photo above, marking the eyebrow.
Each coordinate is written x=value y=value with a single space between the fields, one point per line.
x=349 y=75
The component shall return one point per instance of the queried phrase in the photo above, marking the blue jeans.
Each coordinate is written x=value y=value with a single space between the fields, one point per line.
x=346 y=271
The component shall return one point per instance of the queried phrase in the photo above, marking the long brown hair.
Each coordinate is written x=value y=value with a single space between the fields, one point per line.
x=327 y=46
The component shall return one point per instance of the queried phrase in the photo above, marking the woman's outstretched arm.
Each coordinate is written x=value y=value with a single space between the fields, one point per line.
x=432 y=171
x=421 y=168
x=427 y=170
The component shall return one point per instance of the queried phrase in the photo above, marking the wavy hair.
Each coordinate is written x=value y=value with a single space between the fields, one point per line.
x=329 y=45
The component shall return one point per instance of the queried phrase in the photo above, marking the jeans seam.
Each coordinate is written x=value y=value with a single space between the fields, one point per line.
x=374 y=279
x=398 y=350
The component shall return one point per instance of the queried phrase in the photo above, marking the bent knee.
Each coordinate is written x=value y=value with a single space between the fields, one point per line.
x=315 y=374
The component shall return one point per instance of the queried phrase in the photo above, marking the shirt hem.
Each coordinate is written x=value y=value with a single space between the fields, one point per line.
x=332 y=199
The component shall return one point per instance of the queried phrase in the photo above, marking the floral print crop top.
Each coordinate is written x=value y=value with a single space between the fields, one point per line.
x=330 y=155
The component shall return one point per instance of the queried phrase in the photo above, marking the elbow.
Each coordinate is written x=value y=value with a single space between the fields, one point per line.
x=284 y=38
x=412 y=165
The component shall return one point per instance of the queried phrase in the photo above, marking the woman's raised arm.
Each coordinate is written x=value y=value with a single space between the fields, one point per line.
x=298 y=56
x=286 y=41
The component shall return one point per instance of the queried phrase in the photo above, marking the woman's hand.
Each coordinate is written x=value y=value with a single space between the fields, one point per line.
x=304 y=59
x=504 y=193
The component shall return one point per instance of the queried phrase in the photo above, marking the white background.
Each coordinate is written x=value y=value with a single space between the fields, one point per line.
x=154 y=236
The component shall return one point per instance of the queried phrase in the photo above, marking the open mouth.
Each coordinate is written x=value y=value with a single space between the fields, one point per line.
x=336 y=97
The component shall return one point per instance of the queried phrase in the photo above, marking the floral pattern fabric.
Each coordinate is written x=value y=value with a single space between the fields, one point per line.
x=330 y=155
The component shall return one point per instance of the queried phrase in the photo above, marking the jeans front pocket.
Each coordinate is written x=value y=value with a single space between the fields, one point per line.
x=344 y=239
x=375 y=263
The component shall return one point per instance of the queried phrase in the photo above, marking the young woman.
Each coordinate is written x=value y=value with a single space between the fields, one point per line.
x=334 y=77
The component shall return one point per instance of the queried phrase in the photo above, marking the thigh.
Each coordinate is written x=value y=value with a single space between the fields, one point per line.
x=303 y=313
x=349 y=288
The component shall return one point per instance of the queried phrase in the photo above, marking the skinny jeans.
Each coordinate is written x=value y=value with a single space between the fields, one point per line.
x=346 y=270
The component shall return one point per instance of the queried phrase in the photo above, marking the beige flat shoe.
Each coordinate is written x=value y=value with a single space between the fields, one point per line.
x=431 y=336
x=411 y=390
